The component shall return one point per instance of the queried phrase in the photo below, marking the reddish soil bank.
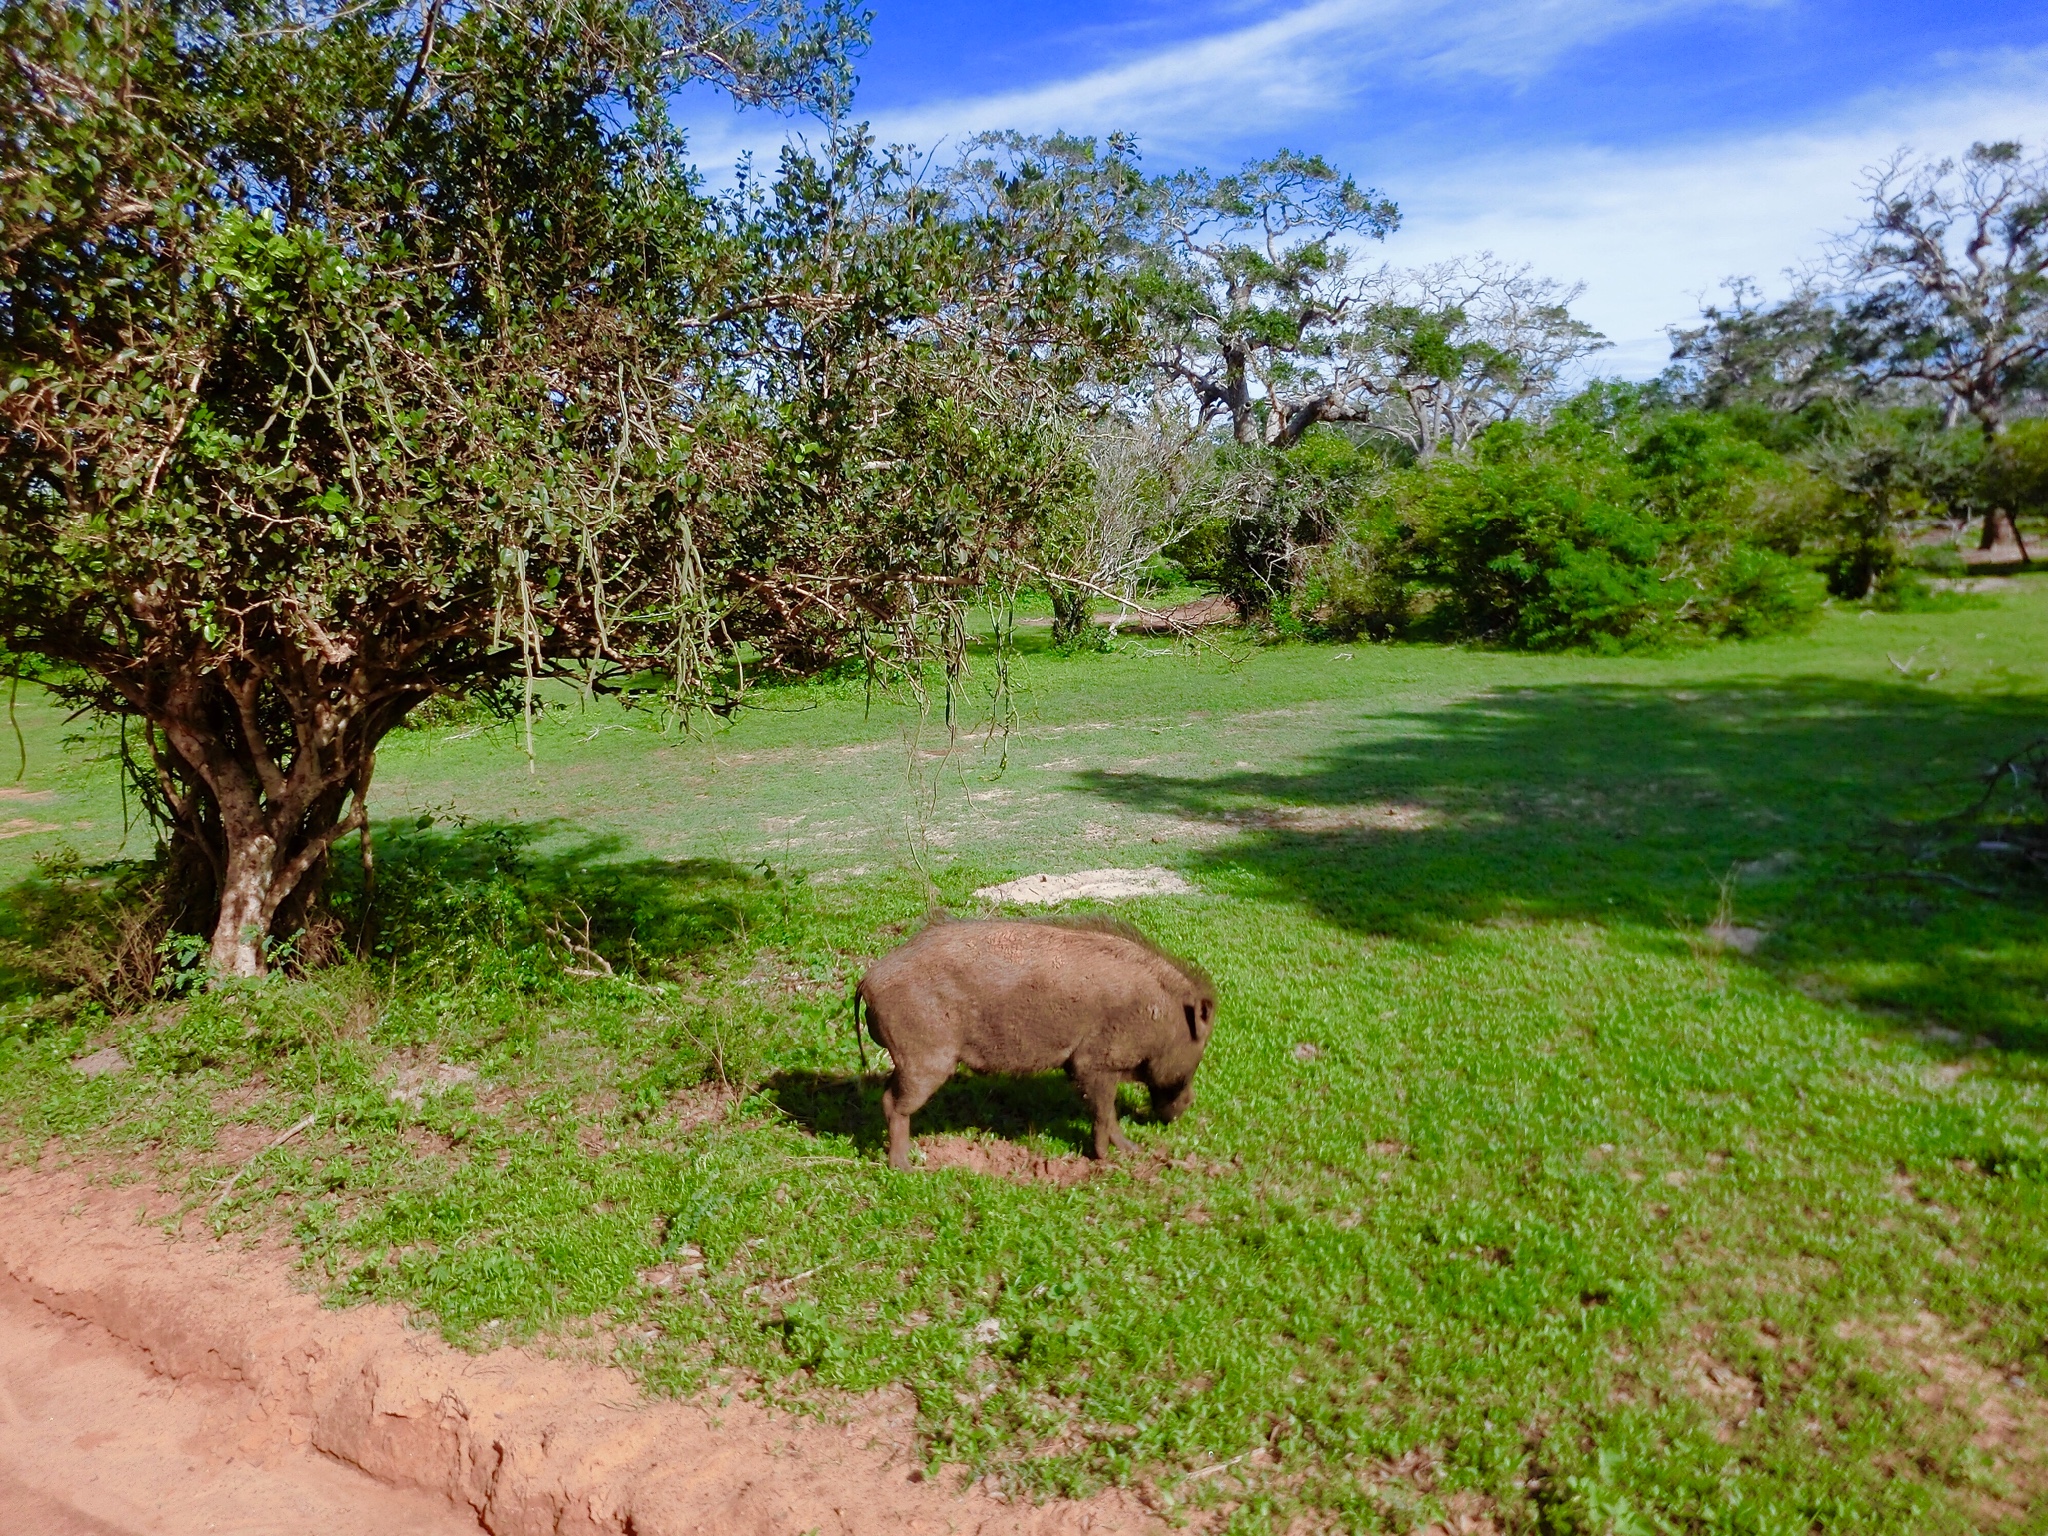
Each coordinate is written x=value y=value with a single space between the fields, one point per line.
x=181 y=1385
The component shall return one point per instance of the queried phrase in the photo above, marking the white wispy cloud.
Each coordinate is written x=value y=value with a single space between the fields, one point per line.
x=1293 y=69
x=1281 y=74
x=1649 y=229
x=1649 y=232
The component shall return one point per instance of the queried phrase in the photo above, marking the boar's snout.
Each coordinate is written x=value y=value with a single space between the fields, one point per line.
x=1170 y=1101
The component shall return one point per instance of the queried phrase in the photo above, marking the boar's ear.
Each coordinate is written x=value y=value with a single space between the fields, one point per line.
x=1189 y=1010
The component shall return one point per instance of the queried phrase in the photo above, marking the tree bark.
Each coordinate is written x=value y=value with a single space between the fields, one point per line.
x=1071 y=618
x=1237 y=395
x=2000 y=528
x=246 y=904
x=265 y=794
x=267 y=875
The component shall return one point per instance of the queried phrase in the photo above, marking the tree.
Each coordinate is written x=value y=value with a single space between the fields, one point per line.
x=327 y=347
x=1784 y=358
x=919 y=414
x=1146 y=490
x=1444 y=352
x=1879 y=467
x=1245 y=283
x=372 y=351
x=1951 y=267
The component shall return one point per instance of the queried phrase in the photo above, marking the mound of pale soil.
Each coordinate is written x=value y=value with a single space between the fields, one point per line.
x=1099 y=884
x=182 y=1385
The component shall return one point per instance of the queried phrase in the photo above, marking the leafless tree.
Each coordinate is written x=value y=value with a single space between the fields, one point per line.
x=1784 y=355
x=1446 y=351
x=1950 y=265
x=1147 y=490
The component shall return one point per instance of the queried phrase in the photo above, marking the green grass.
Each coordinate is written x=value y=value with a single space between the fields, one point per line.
x=1502 y=1181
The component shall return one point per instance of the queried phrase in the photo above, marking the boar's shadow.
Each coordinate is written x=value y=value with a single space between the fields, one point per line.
x=1013 y=1107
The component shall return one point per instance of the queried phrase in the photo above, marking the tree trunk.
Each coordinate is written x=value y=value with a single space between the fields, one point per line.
x=265 y=818
x=247 y=903
x=1237 y=395
x=1071 y=619
x=2000 y=529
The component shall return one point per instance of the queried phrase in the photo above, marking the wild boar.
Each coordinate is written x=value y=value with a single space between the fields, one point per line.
x=1094 y=997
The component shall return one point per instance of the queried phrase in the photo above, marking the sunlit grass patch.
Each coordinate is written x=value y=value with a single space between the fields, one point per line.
x=1509 y=1189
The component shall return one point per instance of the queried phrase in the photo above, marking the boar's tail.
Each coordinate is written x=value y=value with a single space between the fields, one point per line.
x=860 y=1039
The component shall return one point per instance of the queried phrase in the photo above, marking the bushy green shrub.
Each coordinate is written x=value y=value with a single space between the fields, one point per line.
x=1600 y=530
x=2016 y=471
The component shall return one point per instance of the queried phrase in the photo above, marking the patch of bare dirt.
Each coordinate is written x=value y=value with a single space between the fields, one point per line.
x=1998 y=556
x=702 y=1105
x=1378 y=816
x=678 y=1273
x=1407 y=1485
x=1199 y=614
x=1743 y=940
x=1465 y=1514
x=1005 y=1160
x=1729 y=1394
x=414 y=1085
x=1095 y=884
x=793 y=754
x=107 y=1059
x=2008 y=1420
x=242 y=1139
x=96 y=1442
x=176 y=1385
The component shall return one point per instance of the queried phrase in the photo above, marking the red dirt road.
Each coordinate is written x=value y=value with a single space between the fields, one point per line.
x=156 y=1385
x=94 y=1443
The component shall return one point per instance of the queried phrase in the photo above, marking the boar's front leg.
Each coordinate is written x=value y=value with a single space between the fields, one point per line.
x=1099 y=1089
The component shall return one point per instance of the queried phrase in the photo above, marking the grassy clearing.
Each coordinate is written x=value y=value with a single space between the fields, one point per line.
x=1506 y=1188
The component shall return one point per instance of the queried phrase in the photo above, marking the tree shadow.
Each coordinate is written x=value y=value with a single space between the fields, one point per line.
x=1811 y=802
x=836 y=1104
x=445 y=892
x=451 y=886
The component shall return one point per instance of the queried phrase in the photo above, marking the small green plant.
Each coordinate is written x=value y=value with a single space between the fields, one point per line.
x=184 y=964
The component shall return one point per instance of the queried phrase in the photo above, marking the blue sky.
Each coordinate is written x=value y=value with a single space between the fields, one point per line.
x=1648 y=148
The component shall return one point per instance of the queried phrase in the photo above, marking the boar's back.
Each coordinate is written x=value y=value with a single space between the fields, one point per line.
x=1021 y=997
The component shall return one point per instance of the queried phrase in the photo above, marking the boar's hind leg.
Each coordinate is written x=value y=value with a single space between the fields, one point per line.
x=903 y=1098
x=1099 y=1089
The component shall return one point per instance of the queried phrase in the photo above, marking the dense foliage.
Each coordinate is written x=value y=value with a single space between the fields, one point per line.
x=1818 y=440
x=360 y=356
x=1602 y=529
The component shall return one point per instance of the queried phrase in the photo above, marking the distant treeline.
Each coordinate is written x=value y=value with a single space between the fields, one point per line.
x=1620 y=519
x=1380 y=454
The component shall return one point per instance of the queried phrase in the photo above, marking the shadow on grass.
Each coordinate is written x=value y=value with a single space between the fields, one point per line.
x=447 y=893
x=834 y=1104
x=444 y=889
x=1813 y=802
